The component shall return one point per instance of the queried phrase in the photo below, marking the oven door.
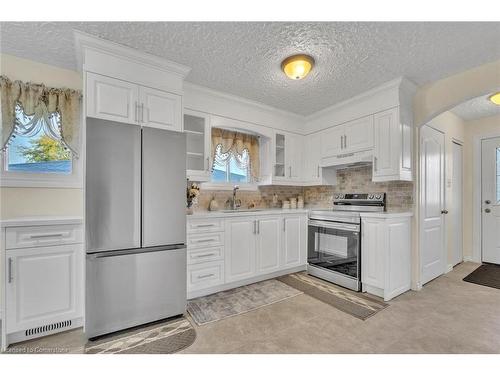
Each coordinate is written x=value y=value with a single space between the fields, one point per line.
x=334 y=246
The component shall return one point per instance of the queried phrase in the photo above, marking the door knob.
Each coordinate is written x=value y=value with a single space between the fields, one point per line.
x=487 y=201
x=444 y=211
x=487 y=210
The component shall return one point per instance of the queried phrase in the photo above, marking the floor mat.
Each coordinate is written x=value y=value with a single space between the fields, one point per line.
x=238 y=301
x=159 y=338
x=486 y=275
x=355 y=304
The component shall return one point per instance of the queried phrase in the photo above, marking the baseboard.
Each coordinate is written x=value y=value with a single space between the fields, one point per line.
x=449 y=268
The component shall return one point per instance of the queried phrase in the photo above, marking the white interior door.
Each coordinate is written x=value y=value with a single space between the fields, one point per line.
x=456 y=210
x=432 y=254
x=490 y=195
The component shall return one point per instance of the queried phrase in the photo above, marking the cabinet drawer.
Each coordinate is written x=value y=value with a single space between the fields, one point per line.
x=43 y=235
x=205 y=275
x=205 y=255
x=196 y=241
x=205 y=225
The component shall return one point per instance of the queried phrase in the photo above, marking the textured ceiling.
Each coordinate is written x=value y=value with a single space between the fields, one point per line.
x=244 y=58
x=476 y=108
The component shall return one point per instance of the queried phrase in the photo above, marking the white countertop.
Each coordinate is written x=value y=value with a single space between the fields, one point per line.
x=279 y=211
x=264 y=211
x=40 y=220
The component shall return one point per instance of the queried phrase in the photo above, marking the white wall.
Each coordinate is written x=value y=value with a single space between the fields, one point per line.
x=453 y=128
x=475 y=128
x=19 y=202
x=439 y=96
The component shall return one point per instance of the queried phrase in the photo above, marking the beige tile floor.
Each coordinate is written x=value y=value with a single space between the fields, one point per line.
x=447 y=316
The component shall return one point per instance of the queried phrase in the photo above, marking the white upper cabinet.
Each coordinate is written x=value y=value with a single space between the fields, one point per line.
x=112 y=99
x=116 y=100
x=129 y=86
x=350 y=137
x=197 y=129
x=392 y=150
x=358 y=135
x=160 y=109
x=332 y=141
x=288 y=157
x=312 y=158
x=293 y=159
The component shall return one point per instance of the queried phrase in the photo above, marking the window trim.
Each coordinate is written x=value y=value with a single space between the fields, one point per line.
x=47 y=180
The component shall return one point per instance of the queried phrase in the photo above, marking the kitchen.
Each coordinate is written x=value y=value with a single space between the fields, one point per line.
x=251 y=214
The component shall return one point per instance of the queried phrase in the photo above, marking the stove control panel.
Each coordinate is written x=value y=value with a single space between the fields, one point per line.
x=359 y=199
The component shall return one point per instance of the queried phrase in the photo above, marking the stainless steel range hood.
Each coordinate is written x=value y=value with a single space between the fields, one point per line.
x=352 y=159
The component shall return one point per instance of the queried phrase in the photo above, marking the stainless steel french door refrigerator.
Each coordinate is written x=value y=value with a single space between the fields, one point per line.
x=135 y=226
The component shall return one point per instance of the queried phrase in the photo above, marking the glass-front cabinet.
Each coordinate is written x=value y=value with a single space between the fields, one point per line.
x=279 y=166
x=197 y=129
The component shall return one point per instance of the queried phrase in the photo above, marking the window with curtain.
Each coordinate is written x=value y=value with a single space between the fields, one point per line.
x=235 y=157
x=40 y=132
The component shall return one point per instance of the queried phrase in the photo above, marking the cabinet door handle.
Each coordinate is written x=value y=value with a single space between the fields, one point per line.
x=204 y=255
x=375 y=163
x=135 y=112
x=52 y=235
x=205 y=276
x=317 y=173
x=345 y=141
x=142 y=112
x=255 y=227
x=204 y=225
x=341 y=142
x=284 y=225
x=10 y=277
x=207 y=240
x=258 y=226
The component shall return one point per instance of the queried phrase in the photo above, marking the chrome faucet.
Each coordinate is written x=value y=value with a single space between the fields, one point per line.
x=235 y=204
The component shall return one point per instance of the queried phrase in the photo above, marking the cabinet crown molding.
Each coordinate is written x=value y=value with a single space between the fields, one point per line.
x=85 y=41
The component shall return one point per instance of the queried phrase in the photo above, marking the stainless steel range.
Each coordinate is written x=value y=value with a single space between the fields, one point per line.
x=334 y=238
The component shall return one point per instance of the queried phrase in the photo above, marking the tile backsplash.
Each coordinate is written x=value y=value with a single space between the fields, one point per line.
x=351 y=180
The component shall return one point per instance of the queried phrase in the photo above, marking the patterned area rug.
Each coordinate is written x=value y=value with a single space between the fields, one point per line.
x=238 y=301
x=355 y=304
x=160 y=338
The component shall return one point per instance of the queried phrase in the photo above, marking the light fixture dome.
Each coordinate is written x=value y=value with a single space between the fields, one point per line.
x=297 y=66
x=495 y=98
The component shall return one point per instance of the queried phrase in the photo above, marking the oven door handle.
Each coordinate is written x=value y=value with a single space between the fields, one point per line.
x=332 y=225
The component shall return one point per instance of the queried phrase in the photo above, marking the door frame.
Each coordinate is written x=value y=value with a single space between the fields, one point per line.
x=477 y=247
x=420 y=207
x=461 y=144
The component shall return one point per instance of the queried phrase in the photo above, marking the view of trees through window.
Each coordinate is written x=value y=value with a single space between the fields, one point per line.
x=38 y=153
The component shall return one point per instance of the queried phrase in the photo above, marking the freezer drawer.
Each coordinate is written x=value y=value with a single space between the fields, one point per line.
x=132 y=287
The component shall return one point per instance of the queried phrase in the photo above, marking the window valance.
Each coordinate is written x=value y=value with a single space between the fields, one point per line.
x=245 y=148
x=41 y=107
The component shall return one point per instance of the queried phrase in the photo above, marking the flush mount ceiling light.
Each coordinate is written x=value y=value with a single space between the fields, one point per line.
x=495 y=98
x=297 y=66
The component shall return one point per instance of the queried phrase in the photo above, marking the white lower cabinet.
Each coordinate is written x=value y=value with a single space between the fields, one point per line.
x=43 y=286
x=268 y=244
x=42 y=279
x=255 y=248
x=385 y=255
x=240 y=245
x=294 y=240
